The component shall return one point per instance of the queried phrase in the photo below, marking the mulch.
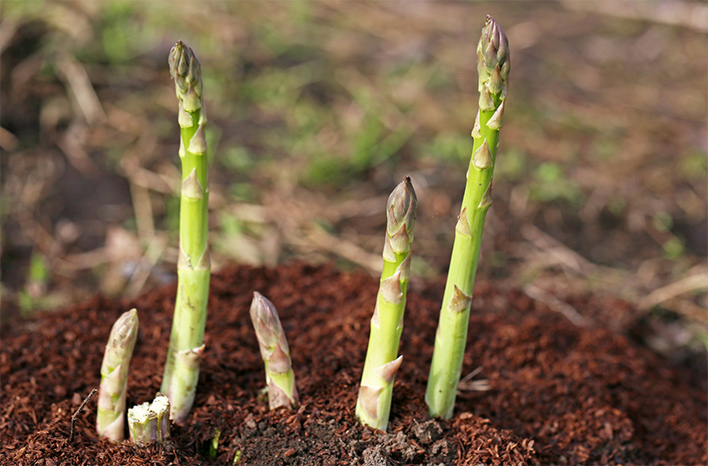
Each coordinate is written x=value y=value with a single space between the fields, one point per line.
x=557 y=393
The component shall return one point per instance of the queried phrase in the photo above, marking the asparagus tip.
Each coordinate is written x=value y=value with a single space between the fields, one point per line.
x=187 y=75
x=121 y=341
x=275 y=352
x=401 y=209
x=492 y=53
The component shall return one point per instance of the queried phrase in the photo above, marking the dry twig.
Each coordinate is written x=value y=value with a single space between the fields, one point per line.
x=78 y=411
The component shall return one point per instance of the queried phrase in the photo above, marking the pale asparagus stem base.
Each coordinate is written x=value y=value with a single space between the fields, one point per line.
x=282 y=391
x=149 y=422
x=114 y=377
x=373 y=406
x=187 y=337
x=181 y=385
x=451 y=335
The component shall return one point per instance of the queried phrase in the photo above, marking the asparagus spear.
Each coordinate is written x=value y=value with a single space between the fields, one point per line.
x=374 y=402
x=181 y=374
x=275 y=352
x=149 y=422
x=450 y=339
x=114 y=377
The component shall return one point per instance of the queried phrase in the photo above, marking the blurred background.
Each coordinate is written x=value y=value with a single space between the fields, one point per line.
x=318 y=109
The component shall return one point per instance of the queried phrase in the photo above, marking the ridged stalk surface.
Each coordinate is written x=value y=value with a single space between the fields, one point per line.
x=451 y=336
x=181 y=374
x=373 y=405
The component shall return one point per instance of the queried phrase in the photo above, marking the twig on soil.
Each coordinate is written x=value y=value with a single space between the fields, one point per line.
x=684 y=14
x=77 y=412
x=79 y=83
x=672 y=290
x=8 y=141
x=560 y=252
x=687 y=309
x=346 y=249
x=467 y=384
x=155 y=249
x=72 y=146
x=556 y=305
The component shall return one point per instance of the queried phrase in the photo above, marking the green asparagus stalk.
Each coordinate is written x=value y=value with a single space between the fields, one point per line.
x=181 y=374
x=382 y=361
x=451 y=337
x=282 y=391
x=149 y=422
x=114 y=377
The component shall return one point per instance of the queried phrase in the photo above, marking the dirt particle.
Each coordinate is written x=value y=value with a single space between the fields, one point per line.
x=373 y=457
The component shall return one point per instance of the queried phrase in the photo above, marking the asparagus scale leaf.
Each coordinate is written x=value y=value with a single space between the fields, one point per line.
x=373 y=405
x=181 y=374
x=282 y=391
x=451 y=337
x=114 y=377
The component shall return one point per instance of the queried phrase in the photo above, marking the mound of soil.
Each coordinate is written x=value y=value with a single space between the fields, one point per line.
x=557 y=393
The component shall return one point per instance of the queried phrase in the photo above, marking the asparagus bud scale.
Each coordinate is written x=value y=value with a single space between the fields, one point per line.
x=114 y=377
x=181 y=374
x=382 y=361
x=451 y=337
x=282 y=391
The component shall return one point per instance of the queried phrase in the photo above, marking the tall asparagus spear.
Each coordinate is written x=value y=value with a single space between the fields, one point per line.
x=374 y=403
x=181 y=374
x=282 y=391
x=450 y=339
x=114 y=377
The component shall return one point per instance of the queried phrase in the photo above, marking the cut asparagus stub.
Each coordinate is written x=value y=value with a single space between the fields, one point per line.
x=451 y=337
x=114 y=377
x=181 y=374
x=282 y=391
x=382 y=361
x=149 y=422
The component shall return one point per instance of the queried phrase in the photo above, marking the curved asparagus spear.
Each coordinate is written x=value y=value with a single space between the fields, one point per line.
x=282 y=391
x=181 y=374
x=114 y=377
x=451 y=336
x=374 y=402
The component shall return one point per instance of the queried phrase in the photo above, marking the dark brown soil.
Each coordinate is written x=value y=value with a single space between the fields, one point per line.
x=558 y=393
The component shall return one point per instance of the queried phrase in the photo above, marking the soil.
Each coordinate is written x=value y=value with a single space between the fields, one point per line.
x=557 y=393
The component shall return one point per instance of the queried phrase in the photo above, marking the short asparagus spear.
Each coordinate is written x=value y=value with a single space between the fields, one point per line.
x=451 y=336
x=382 y=361
x=149 y=422
x=114 y=377
x=181 y=374
x=282 y=391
